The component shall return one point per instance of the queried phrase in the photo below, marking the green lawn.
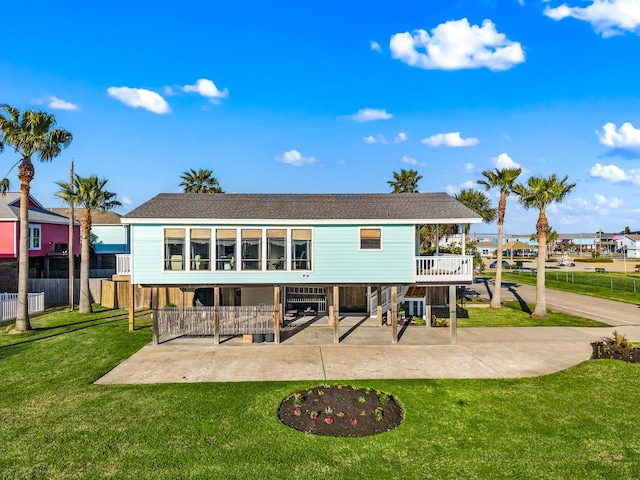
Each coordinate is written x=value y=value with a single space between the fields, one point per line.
x=610 y=285
x=512 y=314
x=577 y=424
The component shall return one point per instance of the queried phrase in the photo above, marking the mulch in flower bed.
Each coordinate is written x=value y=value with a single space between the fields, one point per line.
x=616 y=347
x=341 y=411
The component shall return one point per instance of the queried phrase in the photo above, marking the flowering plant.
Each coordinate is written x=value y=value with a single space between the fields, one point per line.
x=353 y=422
x=328 y=420
x=341 y=414
x=297 y=412
x=314 y=414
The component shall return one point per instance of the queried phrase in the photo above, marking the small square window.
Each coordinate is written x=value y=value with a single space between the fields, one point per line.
x=370 y=238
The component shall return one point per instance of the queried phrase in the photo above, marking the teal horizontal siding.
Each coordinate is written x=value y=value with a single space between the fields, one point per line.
x=336 y=259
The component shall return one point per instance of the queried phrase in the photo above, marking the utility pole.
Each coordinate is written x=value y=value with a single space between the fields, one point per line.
x=70 y=249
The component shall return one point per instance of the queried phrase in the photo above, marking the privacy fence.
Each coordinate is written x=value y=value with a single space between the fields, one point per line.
x=199 y=321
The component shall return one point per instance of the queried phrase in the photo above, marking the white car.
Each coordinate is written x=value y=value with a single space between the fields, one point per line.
x=566 y=263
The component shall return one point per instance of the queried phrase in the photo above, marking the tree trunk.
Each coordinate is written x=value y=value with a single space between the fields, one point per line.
x=85 y=296
x=540 y=310
x=495 y=299
x=25 y=174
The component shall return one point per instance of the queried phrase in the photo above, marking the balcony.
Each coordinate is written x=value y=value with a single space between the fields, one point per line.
x=444 y=269
x=123 y=264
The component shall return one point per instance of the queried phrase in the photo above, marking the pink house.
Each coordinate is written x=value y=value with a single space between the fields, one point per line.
x=48 y=241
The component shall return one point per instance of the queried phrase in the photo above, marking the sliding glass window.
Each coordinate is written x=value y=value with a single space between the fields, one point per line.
x=174 y=248
x=226 y=241
x=301 y=249
x=277 y=249
x=252 y=249
x=200 y=249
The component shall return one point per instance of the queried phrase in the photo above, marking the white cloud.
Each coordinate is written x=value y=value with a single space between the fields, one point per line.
x=58 y=103
x=453 y=189
x=468 y=167
x=456 y=45
x=370 y=114
x=375 y=46
x=615 y=174
x=409 y=160
x=126 y=201
x=614 y=202
x=377 y=139
x=140 y=97
x=627 y=138
x=504 y=161
x=401 y=137
x=207 y=89
x=607 y=17
x=295 y=158
x=452 y=139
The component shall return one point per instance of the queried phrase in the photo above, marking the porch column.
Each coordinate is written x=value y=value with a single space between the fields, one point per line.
x=276 y=315
x=132 y=306
x=394 y=314
x=453 y=319
x=464 y=240
x=154 y=316
x=330 y=306
x=335 y=300
x=216 y=315
x=379 y=307
x=427 y=307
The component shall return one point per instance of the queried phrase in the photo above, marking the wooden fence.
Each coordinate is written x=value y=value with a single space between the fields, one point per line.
x=56 y=290
x=198 y=321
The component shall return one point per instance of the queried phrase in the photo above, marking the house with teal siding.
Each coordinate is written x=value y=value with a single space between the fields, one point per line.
x=280 y=255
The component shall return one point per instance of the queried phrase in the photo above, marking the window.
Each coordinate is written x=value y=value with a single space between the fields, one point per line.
x=370 y=238
x=301 y=249
x=226 y=249
x=276 y=249
x=174 y=251
x=251 y=249
x=200 y=249
x=34 y=237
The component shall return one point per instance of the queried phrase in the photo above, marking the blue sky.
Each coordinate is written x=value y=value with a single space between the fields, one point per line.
x=312 y=97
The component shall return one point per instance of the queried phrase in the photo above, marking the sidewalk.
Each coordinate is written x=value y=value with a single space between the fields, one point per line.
x=365 y=352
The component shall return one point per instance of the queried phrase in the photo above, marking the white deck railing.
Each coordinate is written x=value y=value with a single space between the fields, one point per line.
x=123 y=264
x=9 y=304
x=445 y=269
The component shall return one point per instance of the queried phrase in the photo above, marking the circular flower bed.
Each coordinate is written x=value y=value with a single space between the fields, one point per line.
x=341 y=411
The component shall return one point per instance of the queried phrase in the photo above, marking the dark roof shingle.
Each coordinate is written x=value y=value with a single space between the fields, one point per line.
x=224 y=206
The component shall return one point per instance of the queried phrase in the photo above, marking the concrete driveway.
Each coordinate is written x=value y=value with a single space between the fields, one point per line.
x=365 y=352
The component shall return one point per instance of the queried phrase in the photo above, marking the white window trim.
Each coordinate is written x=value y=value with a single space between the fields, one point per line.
x=238 y=269
x=39 y=229
x=370 y=227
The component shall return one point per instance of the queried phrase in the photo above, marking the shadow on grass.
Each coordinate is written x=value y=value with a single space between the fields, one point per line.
x=523 y=305
x=43 y=333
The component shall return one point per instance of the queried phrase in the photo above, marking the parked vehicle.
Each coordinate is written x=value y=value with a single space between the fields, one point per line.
x=494 y=264
x=566 y=263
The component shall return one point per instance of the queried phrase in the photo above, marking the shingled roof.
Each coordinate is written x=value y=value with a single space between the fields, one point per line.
x=414 y=207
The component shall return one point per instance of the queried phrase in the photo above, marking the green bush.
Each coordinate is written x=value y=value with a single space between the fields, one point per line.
x=594 y=260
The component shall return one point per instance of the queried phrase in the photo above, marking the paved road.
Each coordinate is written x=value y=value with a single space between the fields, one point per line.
x=607 y=311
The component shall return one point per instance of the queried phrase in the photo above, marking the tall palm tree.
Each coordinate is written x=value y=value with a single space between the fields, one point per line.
x=503 y=180
x=405 y=182
x=31 y=133
x=88 y=193
x=539 y=193
x=201 y=181
x=479 y=202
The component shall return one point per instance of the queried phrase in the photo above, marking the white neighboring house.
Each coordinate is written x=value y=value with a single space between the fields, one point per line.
x=630 y=243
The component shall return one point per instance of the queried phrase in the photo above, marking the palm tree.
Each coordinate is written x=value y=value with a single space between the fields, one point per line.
x=88 y=193
x=405 y=182
x=201 y=181
x=552 y=238
x=504 y=180
x=539 y=193
x=30 y=133
x=477 y=201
